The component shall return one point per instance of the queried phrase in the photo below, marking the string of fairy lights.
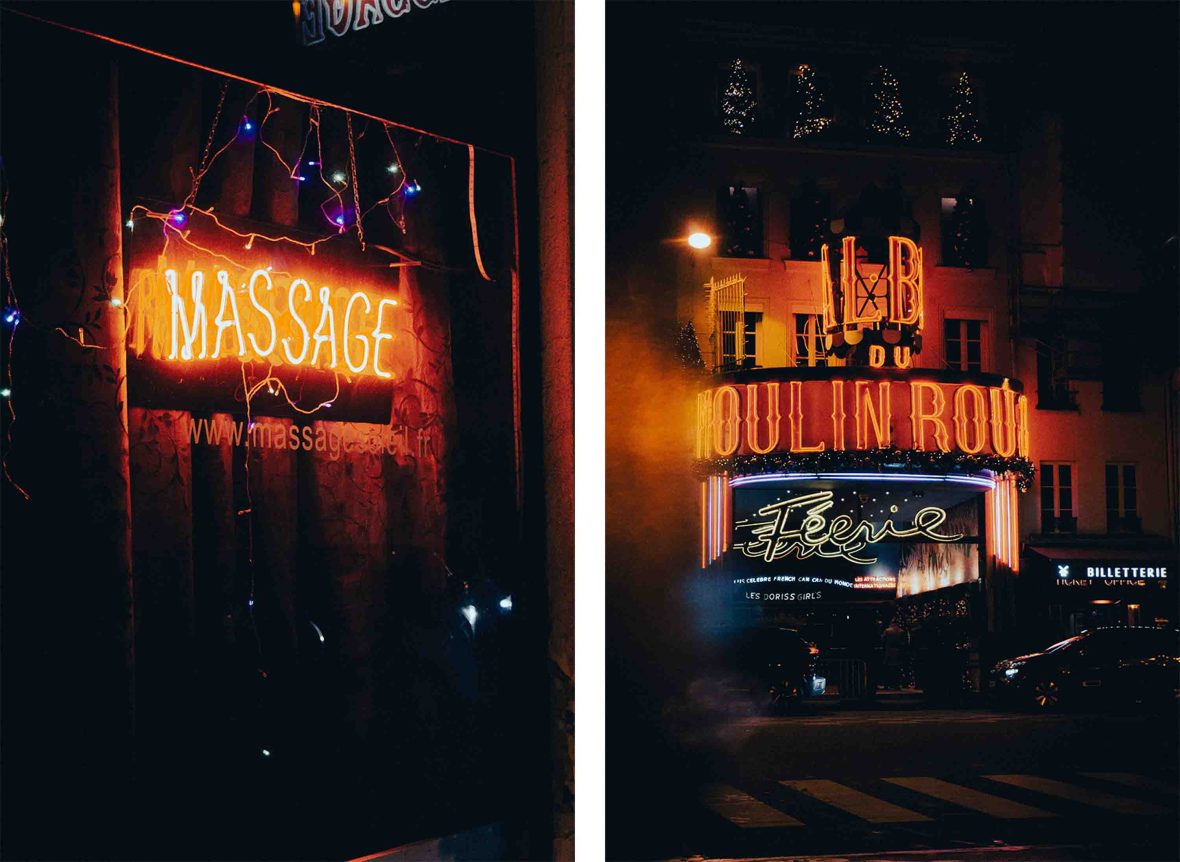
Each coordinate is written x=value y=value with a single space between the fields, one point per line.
x=175 y=223
x=963 y=121
x=888 y=115
x=813 y=116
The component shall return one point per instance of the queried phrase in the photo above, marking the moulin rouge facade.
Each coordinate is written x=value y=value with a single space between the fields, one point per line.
x=902 y=314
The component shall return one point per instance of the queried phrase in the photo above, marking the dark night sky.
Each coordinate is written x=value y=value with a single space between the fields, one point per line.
x=1110 y=69
x=462 y=68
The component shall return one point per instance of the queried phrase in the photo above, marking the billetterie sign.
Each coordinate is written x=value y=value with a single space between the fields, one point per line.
x=846 y=413
x=206 y=315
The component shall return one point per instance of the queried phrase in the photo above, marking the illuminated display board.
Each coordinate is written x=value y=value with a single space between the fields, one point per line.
x=849 y=543
x=853 y=409
x=1113 y=575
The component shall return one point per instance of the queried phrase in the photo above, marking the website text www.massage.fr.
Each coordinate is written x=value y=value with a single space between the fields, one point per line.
x=338 y=439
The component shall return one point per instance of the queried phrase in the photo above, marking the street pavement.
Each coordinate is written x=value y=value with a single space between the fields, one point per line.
x=908 y=783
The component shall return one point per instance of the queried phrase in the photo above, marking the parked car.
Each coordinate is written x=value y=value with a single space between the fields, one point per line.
x=1114 y=666
x=778 y=666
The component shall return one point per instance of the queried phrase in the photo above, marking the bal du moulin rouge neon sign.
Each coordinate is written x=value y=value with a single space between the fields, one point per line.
x=872 y=317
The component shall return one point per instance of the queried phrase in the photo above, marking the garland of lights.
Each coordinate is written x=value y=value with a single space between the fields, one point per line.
x=812 y=116
x=902 y=460
x=737 y=100
x=888 y=119
x=962 y=122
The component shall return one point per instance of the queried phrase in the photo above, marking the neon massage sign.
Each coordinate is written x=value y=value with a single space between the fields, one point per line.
x=205 y=315
x=800 y=528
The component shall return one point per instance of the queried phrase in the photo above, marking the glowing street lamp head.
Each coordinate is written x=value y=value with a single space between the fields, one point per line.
x=700 y=240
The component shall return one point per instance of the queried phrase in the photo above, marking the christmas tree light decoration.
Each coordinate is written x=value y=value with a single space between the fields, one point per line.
x=5 y=392
x=737 y=100
x=688 y=349
x=812 y=117
x=962 y=121
x=11 y=315
x=116 y=303
x=131 y=223
x=177 y=217
x=247 y=125
x=394 y=168
x=338 y=177
x=888 y=116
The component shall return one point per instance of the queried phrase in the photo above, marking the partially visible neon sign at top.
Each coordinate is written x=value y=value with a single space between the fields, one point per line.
x=318 y=18
x=206 y=316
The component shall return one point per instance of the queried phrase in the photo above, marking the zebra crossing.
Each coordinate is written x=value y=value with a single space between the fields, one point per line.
x=1085 y=794
x=901 y=718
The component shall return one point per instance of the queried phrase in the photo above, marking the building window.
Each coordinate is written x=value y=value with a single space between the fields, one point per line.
x=739 y=212
x=1053 y=392
x=1057 y=509
x=751 y=335
x=810 y=220
x=964 y=344
x=810 y=350
x=1120 y=372
x=1121 y=499
x=964 y=231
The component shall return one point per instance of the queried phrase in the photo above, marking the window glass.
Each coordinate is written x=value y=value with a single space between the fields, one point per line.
x=810 y=345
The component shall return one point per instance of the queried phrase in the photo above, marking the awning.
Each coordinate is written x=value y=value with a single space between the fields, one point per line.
x=1109 y=570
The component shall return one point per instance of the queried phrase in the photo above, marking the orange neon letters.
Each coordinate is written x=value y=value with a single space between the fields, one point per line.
x=772 y=418
x=726 y=420
x=171 y=316
x=866 y=413
x=919 y=416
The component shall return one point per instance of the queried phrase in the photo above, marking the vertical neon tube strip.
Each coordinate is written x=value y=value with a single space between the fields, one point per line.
x=716 y=519
x=1014 y=522
x=1002 y=522
x=989 y=508
x=704 y=523
x=726 y=504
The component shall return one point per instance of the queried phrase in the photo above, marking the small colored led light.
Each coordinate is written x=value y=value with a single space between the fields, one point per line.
x=5 y=392
x=394 y=168
x=117 y=303
x=338 y=177
x=340 y=219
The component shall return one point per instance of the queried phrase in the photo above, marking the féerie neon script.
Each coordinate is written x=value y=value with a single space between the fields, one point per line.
x=798 y=526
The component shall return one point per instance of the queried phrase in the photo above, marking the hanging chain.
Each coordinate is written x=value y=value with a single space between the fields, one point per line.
x=356 y=196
